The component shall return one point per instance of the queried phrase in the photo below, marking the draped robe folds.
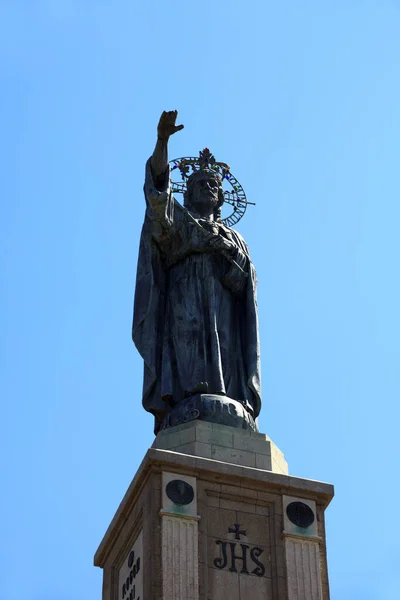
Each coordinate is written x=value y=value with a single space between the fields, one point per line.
x=195 y=317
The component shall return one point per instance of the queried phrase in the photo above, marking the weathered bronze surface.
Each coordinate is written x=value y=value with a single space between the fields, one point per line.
x=180 y=492
x=300 y=514
x=195 y=315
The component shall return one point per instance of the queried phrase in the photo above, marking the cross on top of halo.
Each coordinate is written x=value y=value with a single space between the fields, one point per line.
x=205 y=161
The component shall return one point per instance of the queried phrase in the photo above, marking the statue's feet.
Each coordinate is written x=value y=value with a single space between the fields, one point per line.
x=200 y=388
x=214 y=408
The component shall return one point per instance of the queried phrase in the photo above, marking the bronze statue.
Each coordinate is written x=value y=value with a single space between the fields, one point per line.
x=195 y=312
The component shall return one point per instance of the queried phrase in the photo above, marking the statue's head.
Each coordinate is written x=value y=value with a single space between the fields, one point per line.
x=203 y=190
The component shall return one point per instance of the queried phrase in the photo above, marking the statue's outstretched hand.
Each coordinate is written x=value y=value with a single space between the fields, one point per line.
x=166 y=125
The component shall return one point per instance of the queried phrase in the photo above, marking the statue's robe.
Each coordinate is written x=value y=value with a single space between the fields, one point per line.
x=195 y=312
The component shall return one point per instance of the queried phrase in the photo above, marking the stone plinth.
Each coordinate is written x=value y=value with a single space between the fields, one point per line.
x=221 y=442
x=197 y=528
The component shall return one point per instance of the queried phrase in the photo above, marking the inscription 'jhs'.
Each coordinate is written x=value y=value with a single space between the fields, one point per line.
x=239 y=552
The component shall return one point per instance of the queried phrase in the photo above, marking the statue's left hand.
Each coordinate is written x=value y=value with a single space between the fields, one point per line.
x=220 y=243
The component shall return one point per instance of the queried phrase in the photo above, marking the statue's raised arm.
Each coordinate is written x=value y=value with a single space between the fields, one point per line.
x=159 y=160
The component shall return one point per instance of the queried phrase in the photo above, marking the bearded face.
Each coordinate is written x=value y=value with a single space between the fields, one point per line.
x=205 y=194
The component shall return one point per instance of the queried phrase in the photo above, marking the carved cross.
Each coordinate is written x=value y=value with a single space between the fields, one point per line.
x=237 y=531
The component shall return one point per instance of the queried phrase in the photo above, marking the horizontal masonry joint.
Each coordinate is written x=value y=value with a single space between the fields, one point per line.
x=167 y=513
x=303 y=538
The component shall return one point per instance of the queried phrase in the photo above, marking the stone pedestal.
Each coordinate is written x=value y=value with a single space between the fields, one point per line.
x=194 y=525
x=227 y=444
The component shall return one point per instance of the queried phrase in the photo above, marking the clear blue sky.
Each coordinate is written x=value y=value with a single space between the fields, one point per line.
x=302 y=99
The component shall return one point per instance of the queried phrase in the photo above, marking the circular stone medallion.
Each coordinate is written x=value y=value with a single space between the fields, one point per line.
x=300 y=514
x=180 y=492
